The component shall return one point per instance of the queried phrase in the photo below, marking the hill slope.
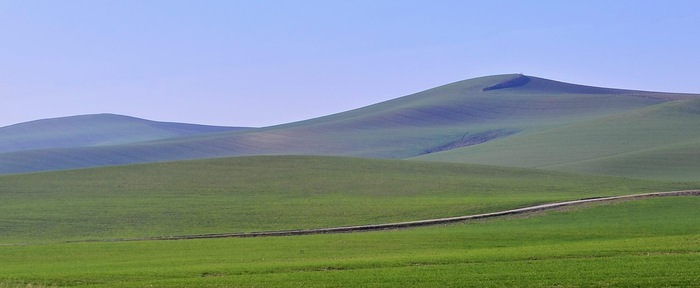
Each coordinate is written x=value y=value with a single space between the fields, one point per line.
x=93 y=130
x=460 y=114
x=660 y=141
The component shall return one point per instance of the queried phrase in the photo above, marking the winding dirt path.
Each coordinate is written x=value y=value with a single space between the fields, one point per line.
x=398 y=225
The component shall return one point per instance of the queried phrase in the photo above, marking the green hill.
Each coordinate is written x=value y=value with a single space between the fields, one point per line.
x=472 y=113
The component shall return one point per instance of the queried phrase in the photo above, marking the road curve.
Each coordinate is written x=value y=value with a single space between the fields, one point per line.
x=398 y=225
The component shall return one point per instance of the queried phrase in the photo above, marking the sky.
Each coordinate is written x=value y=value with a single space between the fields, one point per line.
x=261 y=63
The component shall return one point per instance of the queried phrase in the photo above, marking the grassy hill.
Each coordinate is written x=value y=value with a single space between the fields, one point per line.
x=274 y=193
x=93 y=130
x=439 y=121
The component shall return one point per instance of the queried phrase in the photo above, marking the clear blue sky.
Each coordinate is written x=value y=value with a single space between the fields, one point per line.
x=258 y=63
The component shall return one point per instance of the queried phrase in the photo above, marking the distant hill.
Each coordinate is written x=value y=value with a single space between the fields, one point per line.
x=94 y=130
x=512 y=120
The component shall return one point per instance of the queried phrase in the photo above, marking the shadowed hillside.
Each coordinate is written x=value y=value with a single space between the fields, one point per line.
x=516 y=81
x=445 y=120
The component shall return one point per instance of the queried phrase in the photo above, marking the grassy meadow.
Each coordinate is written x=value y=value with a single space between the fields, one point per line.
x=642 y=243
x=274 y=193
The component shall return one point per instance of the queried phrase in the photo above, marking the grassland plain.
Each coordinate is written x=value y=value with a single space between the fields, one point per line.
x=653 y=242
x=275 y=193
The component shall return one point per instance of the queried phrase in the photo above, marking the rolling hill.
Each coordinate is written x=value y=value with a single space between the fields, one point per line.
x=513 y=120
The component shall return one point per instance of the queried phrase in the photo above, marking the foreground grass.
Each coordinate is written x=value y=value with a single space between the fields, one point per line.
x=274 y=193
x=643 y=243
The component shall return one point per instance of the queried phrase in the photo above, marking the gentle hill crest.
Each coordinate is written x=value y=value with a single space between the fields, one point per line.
x=94 y=130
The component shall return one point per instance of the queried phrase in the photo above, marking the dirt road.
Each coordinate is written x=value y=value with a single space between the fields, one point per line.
x=398 y=225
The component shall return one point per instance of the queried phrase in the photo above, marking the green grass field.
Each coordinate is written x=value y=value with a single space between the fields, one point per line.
x=642 y=243
x=274 y=193
x=66 y=228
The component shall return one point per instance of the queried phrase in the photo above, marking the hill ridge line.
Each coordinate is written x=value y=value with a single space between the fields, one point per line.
x=407 y=224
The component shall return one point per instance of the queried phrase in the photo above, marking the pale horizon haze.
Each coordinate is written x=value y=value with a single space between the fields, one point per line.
x=262 y=63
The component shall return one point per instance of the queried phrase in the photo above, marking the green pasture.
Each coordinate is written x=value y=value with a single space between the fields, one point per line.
x=653 y=242
x=274 y=193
